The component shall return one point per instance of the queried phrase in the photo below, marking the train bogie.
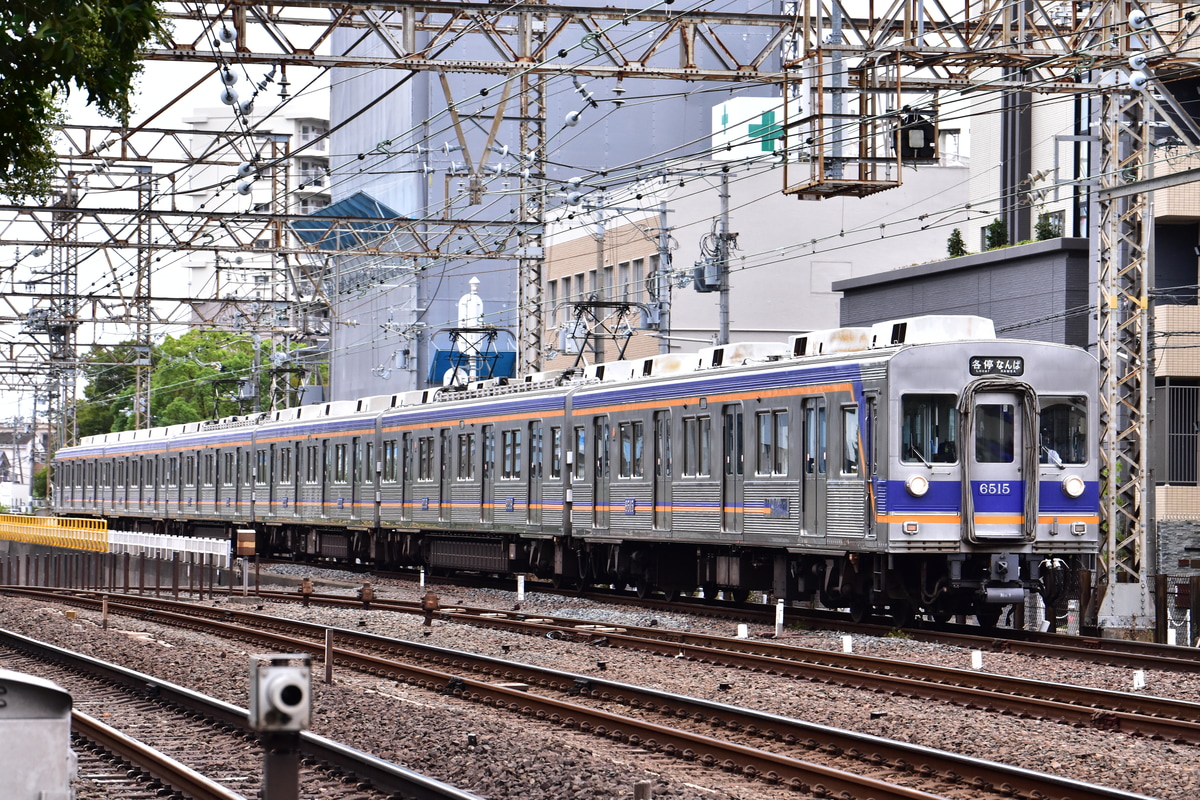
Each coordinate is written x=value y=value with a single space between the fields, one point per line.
x=920 y=465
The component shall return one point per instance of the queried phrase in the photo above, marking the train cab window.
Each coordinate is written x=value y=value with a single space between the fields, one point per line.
x=1063 y=430
x=929 y=429
x=510 y=454
x=772 y=453
x=994 y=436
x=632 y=441
x=466 y=456
x=556 y=452
x=579 y=454
x=850 y=440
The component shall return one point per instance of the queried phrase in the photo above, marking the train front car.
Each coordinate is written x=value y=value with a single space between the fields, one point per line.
x=991 y=488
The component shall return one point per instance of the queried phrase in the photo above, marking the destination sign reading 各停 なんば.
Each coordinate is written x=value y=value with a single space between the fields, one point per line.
x=992 y=365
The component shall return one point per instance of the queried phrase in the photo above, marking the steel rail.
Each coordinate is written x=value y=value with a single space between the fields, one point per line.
x=382 y=774
x=178 y=776
x=948 y=767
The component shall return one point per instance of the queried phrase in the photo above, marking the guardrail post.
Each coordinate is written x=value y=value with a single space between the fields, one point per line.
x=157 y=575
x=175 y=575
x=127 y=573
x=191 y=571
x=1162 y=611
x=1194 y=603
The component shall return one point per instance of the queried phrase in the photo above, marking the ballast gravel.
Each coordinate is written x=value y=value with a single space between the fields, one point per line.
x=505 y=757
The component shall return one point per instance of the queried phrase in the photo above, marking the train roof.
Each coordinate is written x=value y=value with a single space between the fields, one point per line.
x=817 y=344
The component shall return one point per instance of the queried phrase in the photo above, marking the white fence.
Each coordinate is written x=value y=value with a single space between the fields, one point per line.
x=158 y=546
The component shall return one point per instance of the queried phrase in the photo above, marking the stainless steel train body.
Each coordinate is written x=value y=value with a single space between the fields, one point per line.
x=921 y=464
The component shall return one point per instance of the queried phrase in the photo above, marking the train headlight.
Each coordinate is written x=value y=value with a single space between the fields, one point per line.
x=917 y=485
x=1073 y=486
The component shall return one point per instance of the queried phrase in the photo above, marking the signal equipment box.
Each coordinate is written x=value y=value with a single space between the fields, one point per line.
x=36 y=760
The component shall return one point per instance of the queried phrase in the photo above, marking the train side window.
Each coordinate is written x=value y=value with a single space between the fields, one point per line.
x=369 y=462
x=929 y=429
x=735 y=456
x=1063 y=429
x=631 y=436
x=850 y=449
x=535 y=450
x=389 y=460
x=580 y=454
x=466 y=456
x=313 y=461
x=261 y=469
x=209 y=468
x=994 y=434
x=230 y=470
x=772 y=452
x=285 y=465
x=697 y=443
x=510 y=454
x=339 y=463
x=556 y=452
x=425 y=455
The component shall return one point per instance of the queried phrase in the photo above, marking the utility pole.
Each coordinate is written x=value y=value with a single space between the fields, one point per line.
x=662 y=281
x=724 y=245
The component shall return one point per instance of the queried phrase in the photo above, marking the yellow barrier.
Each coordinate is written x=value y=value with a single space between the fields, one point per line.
x=69 y=532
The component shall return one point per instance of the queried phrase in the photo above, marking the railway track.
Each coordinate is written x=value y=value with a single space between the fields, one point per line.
x=780 y=750
x=1093 y=649
x=186 y=744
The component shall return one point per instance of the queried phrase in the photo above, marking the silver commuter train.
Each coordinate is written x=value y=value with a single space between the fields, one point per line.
x=914 y=465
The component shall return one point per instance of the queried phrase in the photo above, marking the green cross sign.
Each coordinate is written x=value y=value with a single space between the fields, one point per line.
x=767 y=131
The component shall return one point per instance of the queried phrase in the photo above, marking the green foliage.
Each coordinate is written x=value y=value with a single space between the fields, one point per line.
x=40 y=479
x=193 y=377
x=955 y=246
x=996 y=234
x=1047 y=227
x=48 y=47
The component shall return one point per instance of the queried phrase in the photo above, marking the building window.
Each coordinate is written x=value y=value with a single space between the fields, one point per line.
x=552 y=301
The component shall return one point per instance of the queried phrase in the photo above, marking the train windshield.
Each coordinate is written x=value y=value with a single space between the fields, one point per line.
x=1063 y=429
x=930 y=429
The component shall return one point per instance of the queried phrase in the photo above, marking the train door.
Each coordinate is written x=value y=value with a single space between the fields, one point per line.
x=487 y=474
x=815 y=466
x=356 y=468
x=444 y=461
x=534 y=506
x=405 y=478
x=269 y=479
x=662 y=470
x=997 y=467
x=601 y=434
x=734 y=465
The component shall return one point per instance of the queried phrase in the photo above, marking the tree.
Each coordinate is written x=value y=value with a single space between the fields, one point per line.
x=1047 y=227
x=193 y=377
x=955 y=246
x=50 y=46
x=996 y=235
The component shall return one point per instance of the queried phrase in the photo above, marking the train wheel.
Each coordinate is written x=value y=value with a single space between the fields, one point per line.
x=988 y=616
x=671 y=593
x=901 y=612
x=644 y=588
x=740 y=595
x=860 y=609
